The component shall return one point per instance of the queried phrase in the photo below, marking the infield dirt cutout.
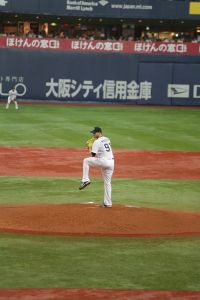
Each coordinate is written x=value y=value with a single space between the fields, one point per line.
x=90 y=219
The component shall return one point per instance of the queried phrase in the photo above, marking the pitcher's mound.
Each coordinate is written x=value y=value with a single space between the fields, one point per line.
x=92 y=220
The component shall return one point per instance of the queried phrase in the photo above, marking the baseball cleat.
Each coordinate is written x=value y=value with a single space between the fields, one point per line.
x=105 y=206
x=83 y=184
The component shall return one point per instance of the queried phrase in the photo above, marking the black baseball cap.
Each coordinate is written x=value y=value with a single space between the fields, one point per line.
x=96 y=129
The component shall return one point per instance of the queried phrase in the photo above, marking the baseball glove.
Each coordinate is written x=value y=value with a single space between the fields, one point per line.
x=89 y=143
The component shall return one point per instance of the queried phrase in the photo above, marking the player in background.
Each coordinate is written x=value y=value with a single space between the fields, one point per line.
x=102 y=157
x=12 y=97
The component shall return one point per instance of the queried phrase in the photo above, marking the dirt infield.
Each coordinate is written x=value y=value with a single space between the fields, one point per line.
x=38 y=161
x=91 y=220
x=94 y=294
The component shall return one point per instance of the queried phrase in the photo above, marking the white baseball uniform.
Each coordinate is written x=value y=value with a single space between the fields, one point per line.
x=105 y=161
x=12 y=97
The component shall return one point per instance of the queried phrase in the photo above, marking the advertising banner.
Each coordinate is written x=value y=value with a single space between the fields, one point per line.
x=186 y=87
x=194 y=8
x=100 y=77
x=138 y=47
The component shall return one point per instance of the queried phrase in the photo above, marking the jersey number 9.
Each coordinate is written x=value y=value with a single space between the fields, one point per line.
x=107 y=147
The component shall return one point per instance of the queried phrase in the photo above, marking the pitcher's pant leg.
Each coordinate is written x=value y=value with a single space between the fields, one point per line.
x=87 y=163
x=86 y=170
x=107 y=177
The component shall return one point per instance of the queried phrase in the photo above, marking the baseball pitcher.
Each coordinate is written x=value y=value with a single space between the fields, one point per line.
x=102 y=157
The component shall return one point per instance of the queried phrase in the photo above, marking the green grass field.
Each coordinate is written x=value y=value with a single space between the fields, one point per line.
x=43 y=261
x=170 y=194
x=128 y=127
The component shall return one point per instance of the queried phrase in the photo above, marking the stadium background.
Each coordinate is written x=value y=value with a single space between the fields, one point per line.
x=151 y=57
x=101 y=51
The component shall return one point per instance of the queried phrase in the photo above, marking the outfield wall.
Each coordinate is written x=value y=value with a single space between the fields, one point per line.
x=101 y=77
